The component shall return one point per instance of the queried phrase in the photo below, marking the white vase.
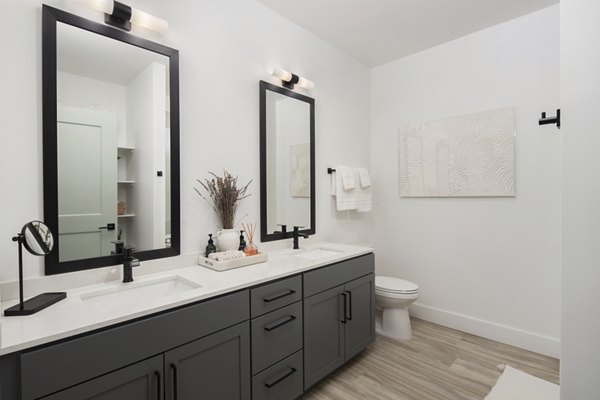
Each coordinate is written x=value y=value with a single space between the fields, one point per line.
x=228 y=239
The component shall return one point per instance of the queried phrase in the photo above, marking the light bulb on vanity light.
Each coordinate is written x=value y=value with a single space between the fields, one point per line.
x=305 y=83
x=282 y=74
x=148 y=21
x=106 y=6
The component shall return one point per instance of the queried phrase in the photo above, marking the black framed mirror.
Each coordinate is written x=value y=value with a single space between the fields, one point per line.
x=110 y=144
x=287 y=162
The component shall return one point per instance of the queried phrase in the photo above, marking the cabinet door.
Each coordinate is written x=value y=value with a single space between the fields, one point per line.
x=216 y=367
x=323 y=334
x=360 y=315
x=141 y=381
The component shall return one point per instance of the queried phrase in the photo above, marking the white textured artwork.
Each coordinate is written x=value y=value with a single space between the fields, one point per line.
x=468 y=156
x=300 y=170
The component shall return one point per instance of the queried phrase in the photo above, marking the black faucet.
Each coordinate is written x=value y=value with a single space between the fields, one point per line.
x=128 y=263
x=296 y=235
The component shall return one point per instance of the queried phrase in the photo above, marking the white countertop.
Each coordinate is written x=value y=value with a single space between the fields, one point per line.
x=74 y=316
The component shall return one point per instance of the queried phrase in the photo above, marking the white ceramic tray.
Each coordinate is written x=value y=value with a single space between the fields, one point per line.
x=231 y=264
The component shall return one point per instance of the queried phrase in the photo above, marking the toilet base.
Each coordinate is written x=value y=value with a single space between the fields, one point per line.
x=394 y=323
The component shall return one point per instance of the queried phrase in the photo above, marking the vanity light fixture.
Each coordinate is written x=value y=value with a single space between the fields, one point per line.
x=122 y=16
x=289 y=80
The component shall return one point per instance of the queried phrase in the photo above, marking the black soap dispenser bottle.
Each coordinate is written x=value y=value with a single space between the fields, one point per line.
x=242 y=241
x=210 y=247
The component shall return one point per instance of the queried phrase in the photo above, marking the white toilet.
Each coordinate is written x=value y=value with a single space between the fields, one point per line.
x=392 y=297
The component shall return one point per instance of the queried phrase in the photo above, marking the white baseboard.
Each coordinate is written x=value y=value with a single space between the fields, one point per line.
x=537 y=343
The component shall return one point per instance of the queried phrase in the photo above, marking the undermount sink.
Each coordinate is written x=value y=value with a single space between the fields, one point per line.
x=142 y=292
x=317 y=254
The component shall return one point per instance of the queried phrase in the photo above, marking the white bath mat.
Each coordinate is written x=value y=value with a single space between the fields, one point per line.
x=517 y=385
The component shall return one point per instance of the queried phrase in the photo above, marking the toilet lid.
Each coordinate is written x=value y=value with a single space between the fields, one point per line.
x=395 y=285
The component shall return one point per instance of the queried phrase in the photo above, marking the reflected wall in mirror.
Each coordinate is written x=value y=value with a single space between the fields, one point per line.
x=287 y=135
x=111 y=143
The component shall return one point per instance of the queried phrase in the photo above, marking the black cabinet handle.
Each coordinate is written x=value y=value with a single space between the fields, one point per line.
x=349 y=308
x=344 y=295
x=279 y=296
x=279 y=323
x=269 y=385
x=158 y=385
x=174 y=369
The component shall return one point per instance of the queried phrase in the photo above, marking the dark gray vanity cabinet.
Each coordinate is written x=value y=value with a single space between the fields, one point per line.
x=270 y=342
x=216 y=367
x=140 y=381
x=339 y=312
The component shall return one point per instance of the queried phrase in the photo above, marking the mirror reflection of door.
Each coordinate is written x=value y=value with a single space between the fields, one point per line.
x=87 y=175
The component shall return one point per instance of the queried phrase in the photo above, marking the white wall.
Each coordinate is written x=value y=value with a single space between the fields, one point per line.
x=146 y=99
x=226 y=47
x=580 y=98
x=82 y=92
x=485 y=265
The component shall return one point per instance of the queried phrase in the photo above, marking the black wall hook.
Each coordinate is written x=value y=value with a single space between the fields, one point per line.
x=550 y=120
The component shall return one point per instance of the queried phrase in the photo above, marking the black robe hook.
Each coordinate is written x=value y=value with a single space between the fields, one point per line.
x=550 y=120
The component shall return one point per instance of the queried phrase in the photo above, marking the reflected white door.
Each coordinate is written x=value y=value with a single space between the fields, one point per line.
x=87 y=182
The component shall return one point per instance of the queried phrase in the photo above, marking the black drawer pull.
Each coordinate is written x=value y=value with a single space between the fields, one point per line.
x=344 y=300
x=279 y=323
x=269 y=385
x=174 y=369
x=279 y=296
x=158 y=385
x=349 y=308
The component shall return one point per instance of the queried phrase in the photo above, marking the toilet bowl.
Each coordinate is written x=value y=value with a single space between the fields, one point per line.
x=392 y=297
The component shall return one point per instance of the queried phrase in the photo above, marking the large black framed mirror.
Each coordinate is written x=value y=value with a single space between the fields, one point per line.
x=287 y=162
x=110 y=143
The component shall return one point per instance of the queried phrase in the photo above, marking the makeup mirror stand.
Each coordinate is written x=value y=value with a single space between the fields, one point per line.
x=40 y=301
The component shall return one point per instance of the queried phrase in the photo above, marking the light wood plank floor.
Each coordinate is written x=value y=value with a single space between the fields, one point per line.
x=437 y=364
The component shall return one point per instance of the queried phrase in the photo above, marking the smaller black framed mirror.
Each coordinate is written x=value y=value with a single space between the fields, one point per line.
x=287 y=163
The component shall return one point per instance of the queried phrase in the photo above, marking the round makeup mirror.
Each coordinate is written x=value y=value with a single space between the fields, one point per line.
x=37 y=238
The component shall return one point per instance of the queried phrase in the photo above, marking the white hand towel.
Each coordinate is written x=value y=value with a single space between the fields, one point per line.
x=345 y=200
x=333 y=176
x=365 y=179
x=226 y=255
x=348 y=178
x=364 y=202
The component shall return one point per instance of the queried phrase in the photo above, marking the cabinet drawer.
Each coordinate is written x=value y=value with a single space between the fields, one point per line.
x=275 y=336
x=275 y=295
x=55 y=367
x=337 y=274
x=282 y=381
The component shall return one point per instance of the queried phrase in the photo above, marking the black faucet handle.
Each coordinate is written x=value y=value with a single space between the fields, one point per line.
x=297 y=228
x=283 y=228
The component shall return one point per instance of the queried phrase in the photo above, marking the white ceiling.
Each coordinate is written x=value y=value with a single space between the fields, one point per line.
x=379 y=31
x=94 y=56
